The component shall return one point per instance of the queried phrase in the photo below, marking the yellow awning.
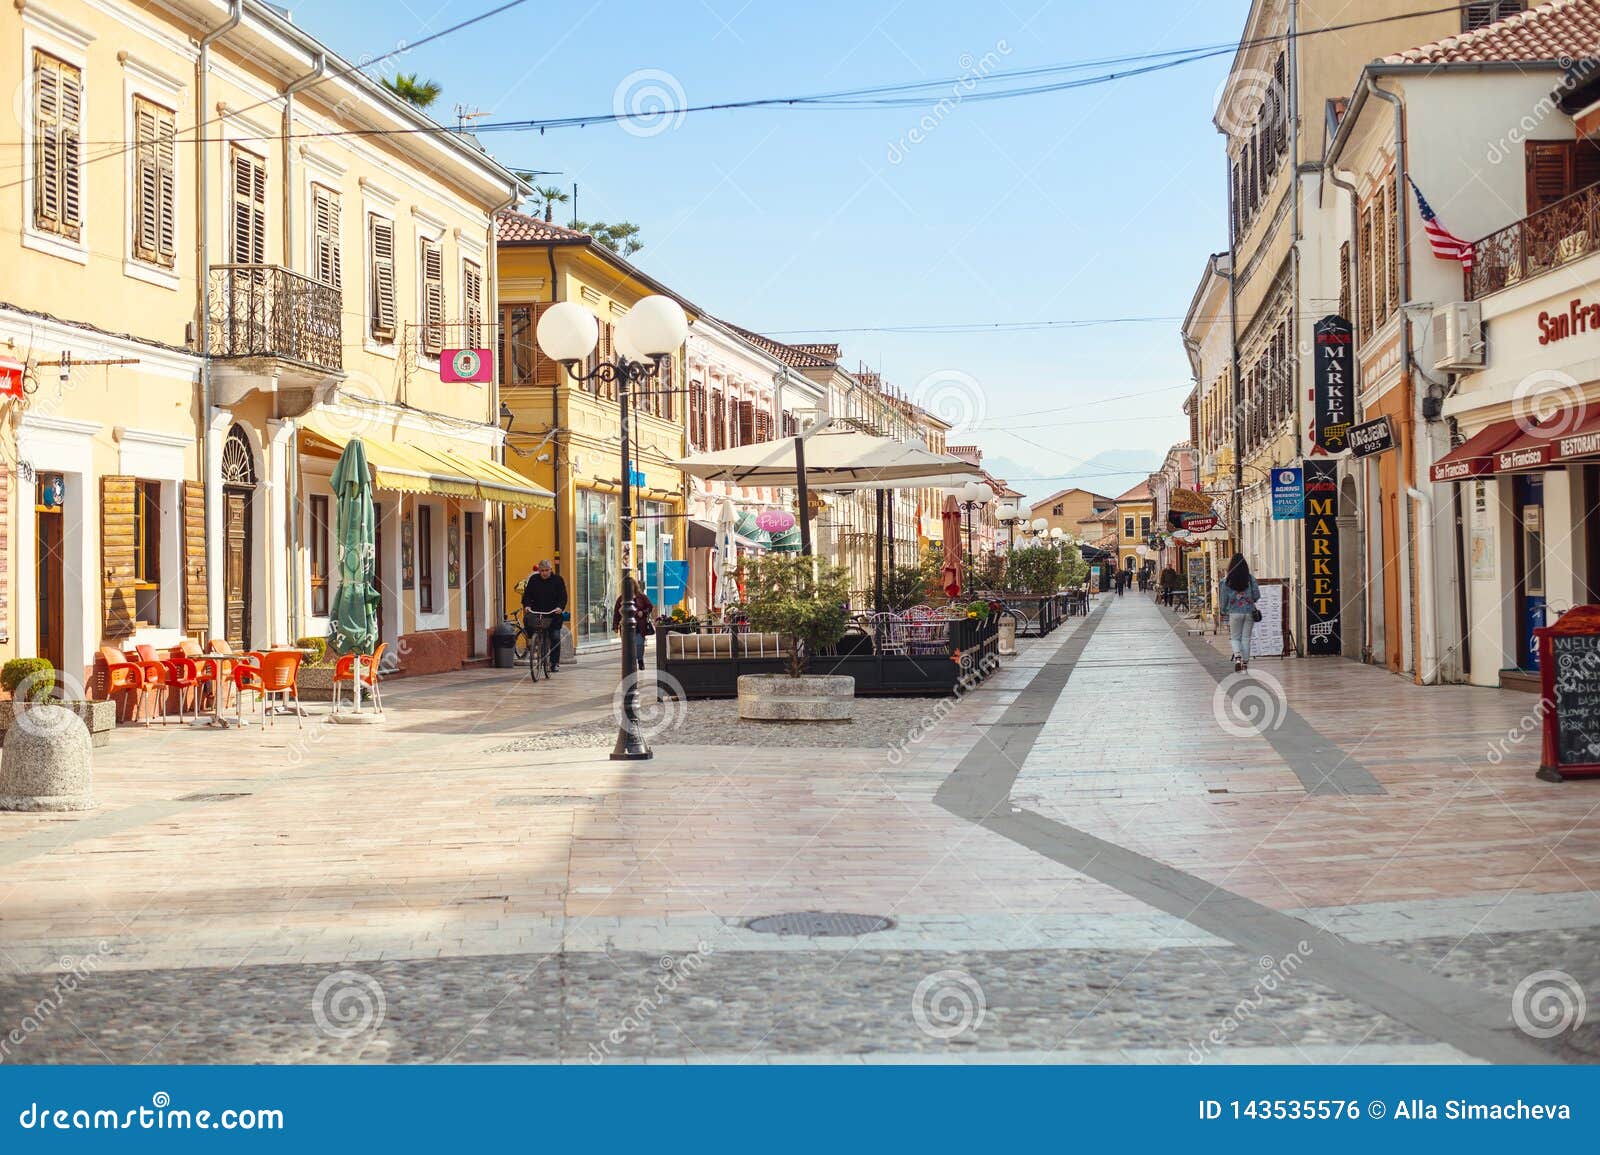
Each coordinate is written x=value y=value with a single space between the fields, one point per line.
x=413 y=469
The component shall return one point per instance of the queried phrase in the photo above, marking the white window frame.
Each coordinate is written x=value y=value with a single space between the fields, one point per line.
x=439 y=619
x=141 y=81
x=48 y=33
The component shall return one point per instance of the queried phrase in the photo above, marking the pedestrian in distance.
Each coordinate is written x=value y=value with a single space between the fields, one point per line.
x=1240 y=593
x=544 y=601
x=644 y=611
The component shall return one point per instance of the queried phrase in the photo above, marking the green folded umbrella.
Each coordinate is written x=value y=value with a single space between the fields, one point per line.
x=355 y=606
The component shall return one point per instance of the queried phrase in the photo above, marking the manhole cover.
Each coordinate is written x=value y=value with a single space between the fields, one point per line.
x=819 y=924
x=212 y=797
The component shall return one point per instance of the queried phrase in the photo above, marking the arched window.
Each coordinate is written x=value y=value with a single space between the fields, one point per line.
x=238 y=463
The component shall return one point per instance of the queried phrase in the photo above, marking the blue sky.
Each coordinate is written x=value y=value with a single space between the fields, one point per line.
x=1095 y=203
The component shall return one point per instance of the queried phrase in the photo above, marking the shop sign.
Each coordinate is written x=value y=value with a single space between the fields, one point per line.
x=1288 y=494
x=1371 y=437
x=11 y=372
x=1578 y=318
x=1526 y=458
x=1456 y=470
x=1322 y=558
x=1578 y=445
x=463 y=366
x=1331 y=385
x=1569 y=666
x=775 y=520
x=1200 y=524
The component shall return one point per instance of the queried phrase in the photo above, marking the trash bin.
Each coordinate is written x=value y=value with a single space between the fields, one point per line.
x=503 y=643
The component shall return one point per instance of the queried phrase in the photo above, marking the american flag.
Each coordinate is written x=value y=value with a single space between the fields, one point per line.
x=1446 y=245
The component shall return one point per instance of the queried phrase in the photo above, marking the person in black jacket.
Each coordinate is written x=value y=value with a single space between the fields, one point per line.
x=544 y=600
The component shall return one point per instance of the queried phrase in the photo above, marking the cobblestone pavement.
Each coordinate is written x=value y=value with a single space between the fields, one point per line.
x=1100 y=854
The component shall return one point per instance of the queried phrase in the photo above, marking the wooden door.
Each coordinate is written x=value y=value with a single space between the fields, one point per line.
x=236 y=572
x=380 y=579
x=473 y=573
x=51 y=586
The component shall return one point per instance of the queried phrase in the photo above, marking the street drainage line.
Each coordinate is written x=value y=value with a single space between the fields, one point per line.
x=979 y=790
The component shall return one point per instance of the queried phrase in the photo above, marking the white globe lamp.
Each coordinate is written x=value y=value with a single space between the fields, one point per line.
x=567 y=332
x=656 y=326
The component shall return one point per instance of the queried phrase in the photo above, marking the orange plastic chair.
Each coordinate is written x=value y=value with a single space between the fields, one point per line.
x=276 y=675
x=344 y=672
x=207 y=672
x=122 y=678
x=157 y=681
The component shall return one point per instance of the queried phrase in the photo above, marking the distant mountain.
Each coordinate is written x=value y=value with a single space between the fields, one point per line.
x=1111 y=471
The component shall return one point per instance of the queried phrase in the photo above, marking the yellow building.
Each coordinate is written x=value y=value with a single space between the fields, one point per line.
x=1074 y=511
x=566 y=435
x=209 y=313
x=1135 y=509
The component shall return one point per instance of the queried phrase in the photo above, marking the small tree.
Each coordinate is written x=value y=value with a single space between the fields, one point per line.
x=29 y=679
x=412 y=89
x=904 y=586
x=1074 y=569
x=798 y=598
x=988 y=572
x=1036 y=570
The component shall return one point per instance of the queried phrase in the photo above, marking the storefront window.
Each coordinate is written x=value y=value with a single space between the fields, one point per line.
x=594 y=578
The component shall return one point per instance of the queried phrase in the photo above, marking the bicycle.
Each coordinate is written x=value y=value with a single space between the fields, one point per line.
x=535 y=647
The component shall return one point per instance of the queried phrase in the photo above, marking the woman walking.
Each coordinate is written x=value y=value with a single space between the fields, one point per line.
x=1240 y=593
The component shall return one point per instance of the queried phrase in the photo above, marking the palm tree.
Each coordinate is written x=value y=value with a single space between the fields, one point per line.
x=550 y=196
x=621 y=238
x=408 y=86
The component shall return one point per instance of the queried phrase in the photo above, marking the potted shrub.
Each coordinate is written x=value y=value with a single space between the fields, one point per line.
x=680 y=620
x=315 y=679
x=803 y=601
x=29 y=679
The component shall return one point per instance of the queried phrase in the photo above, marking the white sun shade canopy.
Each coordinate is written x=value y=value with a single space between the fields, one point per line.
x=842 y=459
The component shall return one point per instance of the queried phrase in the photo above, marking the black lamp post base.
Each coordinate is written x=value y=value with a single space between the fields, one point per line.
x=630 y=750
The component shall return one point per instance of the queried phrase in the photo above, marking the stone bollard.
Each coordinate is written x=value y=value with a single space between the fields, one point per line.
x=46 y=762
x=1008 y=636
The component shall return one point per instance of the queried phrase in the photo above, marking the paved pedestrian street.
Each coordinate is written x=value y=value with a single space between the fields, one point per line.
x=1113 y=850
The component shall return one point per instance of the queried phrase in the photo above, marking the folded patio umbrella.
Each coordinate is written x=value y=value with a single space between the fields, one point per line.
x=355 y=604
x=950 y=572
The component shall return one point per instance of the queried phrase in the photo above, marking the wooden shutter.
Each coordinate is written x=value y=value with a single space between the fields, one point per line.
x=471 y=302
x=154 y=190
x=1344 y=280
x=57 y=146
x=196 y=608
x=747 y=423
x=326 y=247
x=249 y=209
x=1475 y=16
x=432 y=260
x=118 y=555
x=763 y=425
x=1283 y=105
x=1557 y=169
x=719 y=422
x=1392 y=249
x=381 y=249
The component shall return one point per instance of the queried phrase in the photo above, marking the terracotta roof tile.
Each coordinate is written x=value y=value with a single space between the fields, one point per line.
x=795 y=356
x=511 y=228
x=1140 y=492
x=1562 y=29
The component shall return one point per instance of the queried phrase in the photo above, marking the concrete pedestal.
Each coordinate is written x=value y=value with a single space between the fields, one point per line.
x=808 y=698
x=46 y=762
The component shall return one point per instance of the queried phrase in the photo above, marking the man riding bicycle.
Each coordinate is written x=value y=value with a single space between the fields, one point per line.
x=544 y=600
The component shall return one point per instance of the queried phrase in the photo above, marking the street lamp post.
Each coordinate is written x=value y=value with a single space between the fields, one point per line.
x=1010 y=515
x=972 y=495
x=653 y=329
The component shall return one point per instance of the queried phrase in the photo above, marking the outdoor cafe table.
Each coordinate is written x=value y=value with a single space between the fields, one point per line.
x=218 y=720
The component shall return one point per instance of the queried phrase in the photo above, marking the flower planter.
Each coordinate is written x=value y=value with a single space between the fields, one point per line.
x=315 y=683
x=99 y=717
x=808 y=698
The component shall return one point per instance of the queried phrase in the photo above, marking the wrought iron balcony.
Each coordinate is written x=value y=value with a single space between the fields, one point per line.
x=1554 y=236
x=270 y=311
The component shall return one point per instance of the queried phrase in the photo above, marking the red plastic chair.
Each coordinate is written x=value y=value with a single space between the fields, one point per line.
x=122 y=678
x=275 y=674
x=157 y=680
x=344 y=671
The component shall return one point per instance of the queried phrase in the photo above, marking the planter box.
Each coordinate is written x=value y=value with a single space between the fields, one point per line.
x=316 y=683
x=100 y=717
x=808 y=698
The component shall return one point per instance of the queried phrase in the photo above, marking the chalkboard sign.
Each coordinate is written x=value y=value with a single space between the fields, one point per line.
x=1199 y=583
x=1268 y=637
x=1576 y=686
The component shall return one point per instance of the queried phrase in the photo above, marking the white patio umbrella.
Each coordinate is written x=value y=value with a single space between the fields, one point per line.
x=727 y=518
x=834 y=459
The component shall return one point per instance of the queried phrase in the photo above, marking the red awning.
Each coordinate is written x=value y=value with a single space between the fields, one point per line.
x=1475 y=456
x=1567 y=435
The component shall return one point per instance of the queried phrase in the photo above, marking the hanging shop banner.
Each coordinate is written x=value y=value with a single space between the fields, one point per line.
x=466 y=366
x=1288 y=494
x=1322 y=558
x=1332 y=385
x=1371 y=437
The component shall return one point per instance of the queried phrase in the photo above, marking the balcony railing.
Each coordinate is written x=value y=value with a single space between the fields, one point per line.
x=270 y=311
x=1554 y=236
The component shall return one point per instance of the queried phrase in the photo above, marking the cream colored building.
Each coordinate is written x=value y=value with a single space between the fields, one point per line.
x=231 y=253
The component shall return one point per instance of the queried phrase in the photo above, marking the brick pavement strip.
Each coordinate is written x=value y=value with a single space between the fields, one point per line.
x=516 y=904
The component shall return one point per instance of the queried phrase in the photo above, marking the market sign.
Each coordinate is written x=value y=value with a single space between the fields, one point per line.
x=1330 y=427
x=1322 y=558
x=1371 y=437
x=1200 y=524
x=775 y=520
x=1288 y=494
x=458 y=366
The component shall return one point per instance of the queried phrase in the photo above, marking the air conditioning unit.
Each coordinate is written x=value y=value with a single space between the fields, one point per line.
x=1457 y=336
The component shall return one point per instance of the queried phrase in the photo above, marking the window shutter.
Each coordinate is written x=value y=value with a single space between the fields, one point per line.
x=1344 y=280
x=249 y=209
x=747 y=423
x=697 y=399
x=196 y=616
x=432 y=298
x=154 y=195
x=57 y=146
x=117 y=555
x=1549 y=172
x=1283 y=105
x=326 y=247
x=763 y=425
x=471 y=303
x=1392 y=250
x=382 y=246
x=719 y=422
x=71 y=151
x=1475 y=16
